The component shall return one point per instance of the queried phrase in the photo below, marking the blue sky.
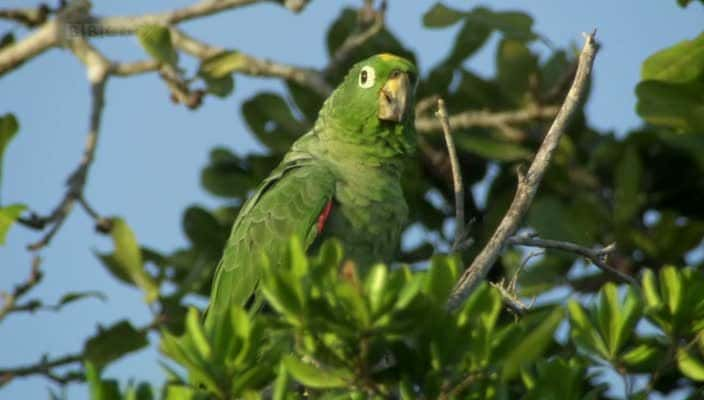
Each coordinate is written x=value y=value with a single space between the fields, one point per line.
x=151 y=151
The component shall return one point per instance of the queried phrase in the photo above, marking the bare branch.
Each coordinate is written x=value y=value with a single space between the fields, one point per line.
x=29 y=17
x=121 y=25
x=488 y=119
x=527 y=185
x=44 y=367
x=45 y=37
x=374 y=22
x=460 y=234
x=134 y=68
x=97 y=69
x=597 y=256
x=511 y=299
x=250 y=65
x=10 y=300
x=74 y=21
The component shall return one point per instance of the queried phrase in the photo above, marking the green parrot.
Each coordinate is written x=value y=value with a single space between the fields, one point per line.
x=341 y=179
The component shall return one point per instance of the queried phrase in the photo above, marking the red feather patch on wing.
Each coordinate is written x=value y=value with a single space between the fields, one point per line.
x=323 y=217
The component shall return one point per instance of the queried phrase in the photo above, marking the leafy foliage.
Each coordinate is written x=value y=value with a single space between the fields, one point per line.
x=329 y=332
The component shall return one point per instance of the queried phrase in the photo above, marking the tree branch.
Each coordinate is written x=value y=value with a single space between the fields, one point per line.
x=460 y=241
x=134 y=68
x=29 y=17
x=528 y=184
x=44 y=367
x=487 y=119
x=74 y=21
x=10 y=300
x=597 y=256
x=122 y=25
x=97 y=69
x=40 y=40
x=253 y=66
x=374 y=21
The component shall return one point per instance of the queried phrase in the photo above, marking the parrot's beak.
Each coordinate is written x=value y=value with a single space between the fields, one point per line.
x=394 y=96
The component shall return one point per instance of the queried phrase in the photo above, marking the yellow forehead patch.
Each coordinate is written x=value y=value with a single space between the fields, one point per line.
x=389 y=57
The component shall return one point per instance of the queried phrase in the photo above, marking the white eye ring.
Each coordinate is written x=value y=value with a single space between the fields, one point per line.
x=366 y=77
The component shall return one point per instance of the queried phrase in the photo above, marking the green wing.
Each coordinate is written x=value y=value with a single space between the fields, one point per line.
x=287 y=203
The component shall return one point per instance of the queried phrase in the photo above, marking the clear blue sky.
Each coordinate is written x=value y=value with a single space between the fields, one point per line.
x=151 y=151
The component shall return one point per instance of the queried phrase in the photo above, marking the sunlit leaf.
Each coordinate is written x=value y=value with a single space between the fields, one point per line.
x=156 y=40
x=680 y=63
x=8 y=216
x=316 y=377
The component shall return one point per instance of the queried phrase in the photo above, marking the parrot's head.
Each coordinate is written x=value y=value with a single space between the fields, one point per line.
x=374 y=104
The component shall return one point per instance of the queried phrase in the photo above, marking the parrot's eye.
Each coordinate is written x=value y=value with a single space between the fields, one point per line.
x=366 y=77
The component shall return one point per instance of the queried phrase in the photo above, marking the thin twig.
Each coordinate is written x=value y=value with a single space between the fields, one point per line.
x=253 y=66
x=460 y=235
x=528 y=184
x=597 y=256
x=97 y=67
x=133 y=68
x=43 y=367
x=356 y=40
x=511 y=299
x=46 y=367
x=10 y=299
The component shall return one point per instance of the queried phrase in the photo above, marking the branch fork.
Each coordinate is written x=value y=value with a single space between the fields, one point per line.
x=527 y=183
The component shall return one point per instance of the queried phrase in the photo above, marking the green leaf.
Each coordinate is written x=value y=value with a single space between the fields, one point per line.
x=221 y=87
x=441 y=16
x=156 y=40
x=8 y=130
x=512 y=24
x=683 y=62
x=690 y=365
x=375 y=283
x=101 y=389
x=181 y=392
x=482 y=308
x=281 y=383
x=492 y=149
x=112 y=343
x=627 y=182
x=126 y=261
x=223 y=64
x=441 y=277
x=643 y=358
x=515 y=67
x=76 y=296
x=272 y=121
x=650 y=289
x=671 y=288
x=8 y=216
x=141 y=391
x=532 y=345
x=616 y=318
x=197 y=334
x=679 y=106
x=217 y=71
x=227 y=175
x=203 y=229
x=277 y=288
x=470 y=38
x=583 y=332
x=315 y=377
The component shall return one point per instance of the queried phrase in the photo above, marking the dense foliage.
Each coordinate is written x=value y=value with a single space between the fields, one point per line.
x=333 y=332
